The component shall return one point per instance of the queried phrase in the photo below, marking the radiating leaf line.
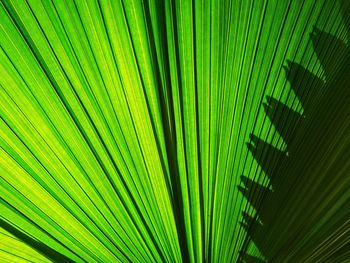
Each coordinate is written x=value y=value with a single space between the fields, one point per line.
x=173 y=131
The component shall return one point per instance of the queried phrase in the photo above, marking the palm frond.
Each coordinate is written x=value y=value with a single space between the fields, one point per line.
x=174 y=131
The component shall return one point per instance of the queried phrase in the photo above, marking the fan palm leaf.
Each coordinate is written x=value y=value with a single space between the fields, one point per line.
x=138 y=131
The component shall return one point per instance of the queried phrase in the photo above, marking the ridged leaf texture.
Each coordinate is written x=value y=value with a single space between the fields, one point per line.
x=174 y=131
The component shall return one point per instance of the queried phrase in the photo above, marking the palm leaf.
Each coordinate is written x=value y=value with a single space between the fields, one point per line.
x=174 y=131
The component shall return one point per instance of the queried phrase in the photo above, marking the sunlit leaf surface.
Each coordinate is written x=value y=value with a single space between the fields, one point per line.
x=174 y=131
